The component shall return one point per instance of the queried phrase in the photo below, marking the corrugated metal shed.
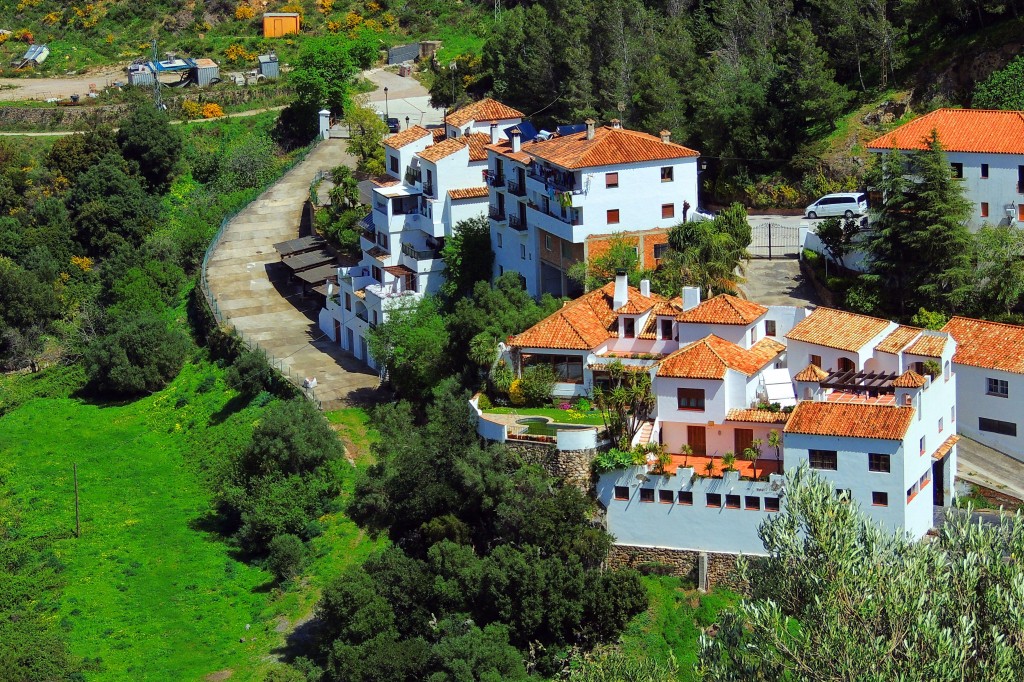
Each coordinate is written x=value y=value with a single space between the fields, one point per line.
x=268 y=65
x=140 y=75
x=205 y=71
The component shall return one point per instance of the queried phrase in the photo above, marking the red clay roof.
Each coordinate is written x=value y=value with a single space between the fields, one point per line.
x=929 y=344
x=440 y=150
x=811 y=373
x=710 y=357
x=909 y=379
x=837 y=329
x=960 y=130
x=486 y=109
x=723 y=309
x=946 y=446
x=990 y=345
x=385 y=182
x=477 y=146
x=399 y=140
x=468 y=193
x=898 y=340
x=505 y=149
x=852 y=420
x=758 y=416
x=610 y=146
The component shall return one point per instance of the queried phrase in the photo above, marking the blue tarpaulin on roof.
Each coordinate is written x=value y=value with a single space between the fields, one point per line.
x=526 y=131
x=570 y=129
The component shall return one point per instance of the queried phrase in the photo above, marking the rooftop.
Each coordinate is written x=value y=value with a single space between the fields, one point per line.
x=929 y=344
x=582 y=324
x=407 y=136
x=609 y=147
x=811 y=373
x=898 y=339
x=504 y=147
x=723 y=309
x=837 y=329
x=486 y=109
x=468 y=193
x=990 y=345
x=710 y=357
x=442 y=149
x=851 y=420
x=960 y=130
x=757 y=416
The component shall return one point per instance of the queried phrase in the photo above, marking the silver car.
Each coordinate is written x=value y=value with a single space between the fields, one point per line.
x=846 y=204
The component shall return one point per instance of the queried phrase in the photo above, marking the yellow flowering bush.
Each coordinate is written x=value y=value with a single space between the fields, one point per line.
x=516 y=396
x=352 y=20
x=83 y=263
x=51 y=18
x=212 y=110
x=236 y=52
x=244 y=12
x=191 y=109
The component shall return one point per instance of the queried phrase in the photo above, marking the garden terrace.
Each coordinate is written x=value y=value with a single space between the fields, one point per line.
x=765 y=466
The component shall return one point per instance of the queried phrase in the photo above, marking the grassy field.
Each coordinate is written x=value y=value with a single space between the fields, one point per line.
x=151 y=590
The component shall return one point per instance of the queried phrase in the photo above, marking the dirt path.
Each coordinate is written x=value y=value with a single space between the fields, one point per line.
x=13 y=89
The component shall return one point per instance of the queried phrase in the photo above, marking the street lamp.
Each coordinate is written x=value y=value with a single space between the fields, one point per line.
x=387 y=112
x=406 y=122
x=452 y=67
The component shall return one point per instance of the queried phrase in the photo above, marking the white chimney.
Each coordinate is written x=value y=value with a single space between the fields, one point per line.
x=590 y=128
x=514 y=137
x=666 y=136
x=621 y=296
x=330 y=288
x=645 y=287
x=691 y=297
x=616 y=123
x=494 y=133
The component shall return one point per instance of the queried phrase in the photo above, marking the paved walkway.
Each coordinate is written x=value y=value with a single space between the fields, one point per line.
x=251 y=287
x=984 y=466
x=777 y=282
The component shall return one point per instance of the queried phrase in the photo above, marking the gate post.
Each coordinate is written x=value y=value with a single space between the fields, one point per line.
x=769 y=241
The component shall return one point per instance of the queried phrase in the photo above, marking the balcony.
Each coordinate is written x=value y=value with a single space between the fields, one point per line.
x=428 y=189
x=516 y=223
x=496 y=213
x=559 y=180
x=498 y=181
x=412 y=175
x=420 y=254
x=574 y=218
x=517 y=189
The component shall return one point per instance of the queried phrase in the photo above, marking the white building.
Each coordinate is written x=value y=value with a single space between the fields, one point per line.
x=985 y=150
x=435 y=183
x=548 y=195
x=874 y=422
x=989 y=363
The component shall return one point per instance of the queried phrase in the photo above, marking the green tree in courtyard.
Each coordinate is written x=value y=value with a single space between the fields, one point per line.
x=708 y=254
x=367 y=131
x=411 y=346
x=468 y=257
x=621 y=254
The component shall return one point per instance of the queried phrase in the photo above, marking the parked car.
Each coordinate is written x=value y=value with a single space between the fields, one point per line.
x=846 y=204
x=393 y=125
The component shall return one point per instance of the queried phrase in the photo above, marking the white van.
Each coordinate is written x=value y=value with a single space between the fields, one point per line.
x=846 y=204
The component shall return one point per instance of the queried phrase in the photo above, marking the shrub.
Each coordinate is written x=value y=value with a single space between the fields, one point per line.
x=138 y=355
x=516 y=396
x=863 y=297
x=537 y=383
x=287 y=554
x=250 y=374
x=244 y=11
x=191 y=109
x=483 y=402
x=502 y=377
x=212 y=110
x=582 y=405
x=615 y=458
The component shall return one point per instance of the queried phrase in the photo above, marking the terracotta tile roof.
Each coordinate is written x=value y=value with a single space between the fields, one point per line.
x=477 y=146
x=909 y=379
x=667 y=308
x=385 y=182
x=439 y=134
x=758 y=416
x=468 y=193
x=960 y=130
x=637 y=304
x=853 y=420
x=486 y=109
x=407 y=136
x=610 y=146
x=991 y=345
x=929 y=344
x=898 y=340
x=946 y=446
x=505 y=149
x=723 y=309
x=837 y=329
x=440 y=150
x=811 y=373
x=710 y=357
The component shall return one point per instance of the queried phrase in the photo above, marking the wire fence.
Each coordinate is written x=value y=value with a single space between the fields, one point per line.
x=211 y=301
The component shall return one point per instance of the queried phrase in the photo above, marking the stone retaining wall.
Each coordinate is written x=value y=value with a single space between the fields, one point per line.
x=572 y=466
x=682 y=563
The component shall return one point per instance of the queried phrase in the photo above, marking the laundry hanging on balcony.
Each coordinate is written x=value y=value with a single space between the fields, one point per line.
x=564 y=199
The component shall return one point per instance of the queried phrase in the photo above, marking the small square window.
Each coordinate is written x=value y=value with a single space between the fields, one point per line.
x=957 y=169
x=769 y=328
x=827 y=460
x=613 y=216
x=611 y=180
x=922 y=445
x=522 y=251
x=940 y=424
x=816 y=360
x=925 y=479
x=771 y=504
x=732 y=501
x=752 y=502
x=690 y=398
x=547 y=242
x=628 y=328
x=714 y=500
x=984 y=209
x=394 y=163
x=999 y=388
x=668 y=210
x=647 y=494
x=621 y=492
x=880 y=499
x=348 y=301
x=666 y=329
x=667 y=173
x=666 y=496
x=984 y=170
x=685 y=497
x=659 y=251
x=878 y=462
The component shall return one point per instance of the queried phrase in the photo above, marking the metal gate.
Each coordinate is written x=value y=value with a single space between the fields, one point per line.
x=774 y=240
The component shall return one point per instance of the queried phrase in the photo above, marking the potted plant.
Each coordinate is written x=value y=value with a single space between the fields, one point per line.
x=728 y=459
x=752 y=453
x=710 y=468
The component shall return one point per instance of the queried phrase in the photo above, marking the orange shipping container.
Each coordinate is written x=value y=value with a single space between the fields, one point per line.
x=277 y=24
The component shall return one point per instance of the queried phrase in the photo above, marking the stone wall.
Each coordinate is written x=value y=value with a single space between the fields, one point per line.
x=680 y=562
x=572 y=466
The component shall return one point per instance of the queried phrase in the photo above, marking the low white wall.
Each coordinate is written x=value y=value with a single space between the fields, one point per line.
x=492 y=431
x=576 y=439
x=856 y=260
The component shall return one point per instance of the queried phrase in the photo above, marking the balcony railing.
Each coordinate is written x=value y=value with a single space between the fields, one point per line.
x=380 y=206
x=496 y=213
x=498 y=181
x=516 y=188
x=574 y=219
x=428 y=189
x=554 y=179
x=515 y=223
x=412 y=175
x=420 y=254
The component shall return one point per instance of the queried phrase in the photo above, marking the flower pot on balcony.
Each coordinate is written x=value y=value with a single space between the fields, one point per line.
x=730 y=477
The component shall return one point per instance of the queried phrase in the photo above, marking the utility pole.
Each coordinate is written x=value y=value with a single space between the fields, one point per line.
x=78 y=525
x=157 y=98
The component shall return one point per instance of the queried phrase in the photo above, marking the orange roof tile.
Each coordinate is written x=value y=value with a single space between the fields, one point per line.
x=837 y=329
x=909 y=379
x=723 y=309
x=439 y=134
x=898 y=340
x=710 y=357
x=610 y=146
x=486 y=109
x=440 y=150
x=468 y=193
x=946 y=446
x=636 y=304
x=758 y=416
x=991 y=345
x=385 y=182
x=505 y=149
x=851 y=420
x=811 y=373
x=929 y=344
x=477 y=146
x=407 y=136
x=960 y=130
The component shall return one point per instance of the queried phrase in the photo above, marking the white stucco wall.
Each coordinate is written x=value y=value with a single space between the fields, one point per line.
x=974 y=402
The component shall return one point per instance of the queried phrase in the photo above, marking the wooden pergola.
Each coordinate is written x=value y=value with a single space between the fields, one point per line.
x=868 y=382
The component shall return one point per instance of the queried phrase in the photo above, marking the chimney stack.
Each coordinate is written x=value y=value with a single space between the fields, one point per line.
x=494 y=133
x=621 y=295
x=691 y=298
x=666 y=136
x=514 y=137
x=616 y=123
x=645 y=287
x=590 y=128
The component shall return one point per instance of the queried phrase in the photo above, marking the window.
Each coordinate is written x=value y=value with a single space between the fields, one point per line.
x=348 y=301
x=769 y=328
x=522 y=251
x=732 y=501
x=666 y=329
x=958 y=170
x=611 y=180
x=667 y=173
x=984 y=209
x=816 y=360
x=659 y=251
x=940 y=424
x=628 y=328
x=374 y=318
x=771 y=504
x=686 y=497
x=753 y=335
x=690 y=398
x=714 y=500
x=912 y=491
x=547 y=242
x=823 y=459
x=394 y=163
x=613 y=216
x=877 y=462
x=382 y=239
x=668 y=210
x=846 y=365
x=879 y=499
x=751 y=502
x=918 y=367
x=925 y=479
x=922 y=445
x=647 y=494
x=908 y=400
x=997 y=426
x=499 y=240
x=377 y=273
x=946 y=372
x=984 y=171
x=566 y=249
x=621 y=492
x=665 y=496
x=998 y=387
x=568 y=368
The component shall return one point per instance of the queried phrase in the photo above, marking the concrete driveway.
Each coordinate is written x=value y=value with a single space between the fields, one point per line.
x=777 y=281
x=984 y=466
x=406 y=98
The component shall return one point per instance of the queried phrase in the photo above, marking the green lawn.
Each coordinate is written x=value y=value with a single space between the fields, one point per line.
x=560 y=416
x=149 y=591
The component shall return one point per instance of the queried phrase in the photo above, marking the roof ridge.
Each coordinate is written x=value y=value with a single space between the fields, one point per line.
x=978 y=319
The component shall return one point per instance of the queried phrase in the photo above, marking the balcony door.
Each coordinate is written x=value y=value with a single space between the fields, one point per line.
x=742 y=440
x=697 y=438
